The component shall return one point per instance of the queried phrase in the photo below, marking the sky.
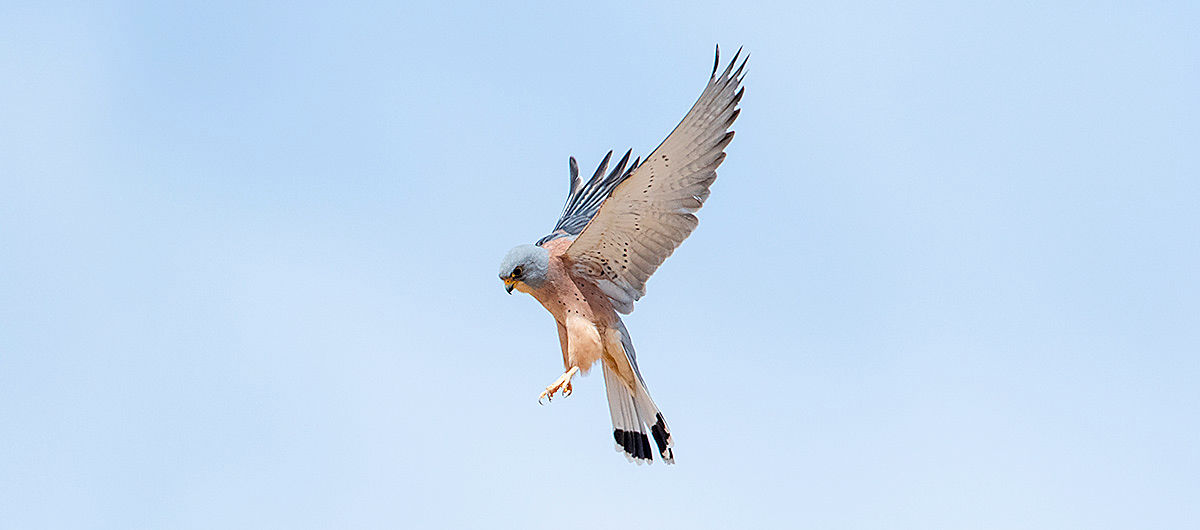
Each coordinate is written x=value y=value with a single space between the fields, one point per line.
x=946 y=277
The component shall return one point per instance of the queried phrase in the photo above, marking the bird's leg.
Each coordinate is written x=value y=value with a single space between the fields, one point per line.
x=563 y=383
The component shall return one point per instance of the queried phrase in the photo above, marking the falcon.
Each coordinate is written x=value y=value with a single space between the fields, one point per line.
x=614 y=232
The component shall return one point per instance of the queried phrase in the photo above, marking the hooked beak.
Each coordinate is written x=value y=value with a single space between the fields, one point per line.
x=509 y=283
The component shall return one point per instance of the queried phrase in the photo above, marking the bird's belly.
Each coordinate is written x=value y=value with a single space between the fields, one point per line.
x=584 y=346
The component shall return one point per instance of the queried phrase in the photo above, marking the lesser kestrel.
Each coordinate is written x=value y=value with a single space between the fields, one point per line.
x=614 y=232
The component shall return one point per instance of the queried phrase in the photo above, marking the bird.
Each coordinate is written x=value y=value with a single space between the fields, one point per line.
x=615 y=230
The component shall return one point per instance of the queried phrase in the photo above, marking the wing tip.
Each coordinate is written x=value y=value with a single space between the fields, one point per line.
x=732 y=74
x=603 y=165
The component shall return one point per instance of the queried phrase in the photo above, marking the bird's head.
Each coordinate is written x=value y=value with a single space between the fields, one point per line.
x=524 y=268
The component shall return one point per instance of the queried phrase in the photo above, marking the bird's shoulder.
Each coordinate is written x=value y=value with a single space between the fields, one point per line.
x=558 y=247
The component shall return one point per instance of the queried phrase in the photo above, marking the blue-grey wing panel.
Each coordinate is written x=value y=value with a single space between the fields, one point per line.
x=584 y=200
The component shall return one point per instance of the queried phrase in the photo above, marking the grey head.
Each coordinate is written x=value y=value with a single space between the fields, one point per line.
x=525 y=264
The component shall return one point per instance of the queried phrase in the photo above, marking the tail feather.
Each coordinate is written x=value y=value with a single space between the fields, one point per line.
x=633 y=414
x=653 y=418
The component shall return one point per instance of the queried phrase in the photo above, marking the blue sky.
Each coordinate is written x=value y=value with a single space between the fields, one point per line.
x=946 y=279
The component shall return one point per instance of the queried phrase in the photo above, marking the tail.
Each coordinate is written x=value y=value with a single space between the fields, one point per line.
x=633 y=413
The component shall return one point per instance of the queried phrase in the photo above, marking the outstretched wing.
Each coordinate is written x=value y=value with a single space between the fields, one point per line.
x=648 y=214
x=583 y=201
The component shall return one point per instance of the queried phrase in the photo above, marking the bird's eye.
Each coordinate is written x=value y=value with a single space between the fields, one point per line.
x=516 y=272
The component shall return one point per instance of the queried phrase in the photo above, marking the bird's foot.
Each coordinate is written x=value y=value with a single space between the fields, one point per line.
x=563 y=384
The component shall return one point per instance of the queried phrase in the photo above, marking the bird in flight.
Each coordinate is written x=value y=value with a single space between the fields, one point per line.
x=614 y=232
